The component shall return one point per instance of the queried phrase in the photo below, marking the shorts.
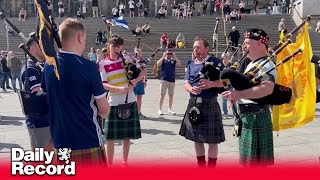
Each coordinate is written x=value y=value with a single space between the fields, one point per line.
x=39 y=137
x=164 y=85
x=131 y=9
x=139 y=89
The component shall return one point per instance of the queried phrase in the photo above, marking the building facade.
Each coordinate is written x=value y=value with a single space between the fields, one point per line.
x=11 y=8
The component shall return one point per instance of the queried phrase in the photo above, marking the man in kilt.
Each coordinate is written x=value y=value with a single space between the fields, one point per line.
x=72 y=98
x=203 y=94
x=256 y=139
x=115 y=80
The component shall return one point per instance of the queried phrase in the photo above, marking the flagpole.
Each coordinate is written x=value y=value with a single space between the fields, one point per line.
x=7 y=35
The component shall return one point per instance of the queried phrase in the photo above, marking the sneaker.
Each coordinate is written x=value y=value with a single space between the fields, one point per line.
x=225 y=116
x=160 y=112
x=141 y=115
x=171 y=112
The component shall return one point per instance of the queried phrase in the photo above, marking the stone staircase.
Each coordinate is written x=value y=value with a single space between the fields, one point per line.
x=197 y=26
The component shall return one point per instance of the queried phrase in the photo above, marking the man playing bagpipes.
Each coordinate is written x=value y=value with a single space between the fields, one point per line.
x=31 y=75
x=119 y=79
x=202 y=122
x=256 y=140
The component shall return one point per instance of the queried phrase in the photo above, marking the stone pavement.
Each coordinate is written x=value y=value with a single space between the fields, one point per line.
x=160 y=141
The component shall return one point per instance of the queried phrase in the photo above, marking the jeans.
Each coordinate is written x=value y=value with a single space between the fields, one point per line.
x=15 y=77
x=225 y=107
x=5 y=80
x=174 y=12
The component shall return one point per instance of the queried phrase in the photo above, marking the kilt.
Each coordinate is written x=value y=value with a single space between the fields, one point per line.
x=256 y=140
x=93 y=156
x=210 y=130
x=118 y=129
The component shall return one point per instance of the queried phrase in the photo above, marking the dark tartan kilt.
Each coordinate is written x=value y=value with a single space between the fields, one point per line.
x=118 y=129
x=256 y=140
x=86 y=157
x=210 y=130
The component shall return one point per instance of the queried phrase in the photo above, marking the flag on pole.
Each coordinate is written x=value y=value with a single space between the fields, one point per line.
x=120 y=21
x=299 y=74
x=45 y=30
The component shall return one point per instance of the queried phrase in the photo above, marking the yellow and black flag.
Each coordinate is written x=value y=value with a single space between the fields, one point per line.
x=45 y=34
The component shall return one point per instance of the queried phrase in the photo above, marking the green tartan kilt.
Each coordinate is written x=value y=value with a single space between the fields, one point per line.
x=118 y=129
x=256 y=140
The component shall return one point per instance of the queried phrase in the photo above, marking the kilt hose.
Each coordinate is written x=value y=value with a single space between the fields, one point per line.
x=86 y=157
x=210 y=130
x=119 y=129
x=256 y=140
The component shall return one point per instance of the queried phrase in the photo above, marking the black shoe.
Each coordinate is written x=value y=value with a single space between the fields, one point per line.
x=141 y=115
x=8 y=87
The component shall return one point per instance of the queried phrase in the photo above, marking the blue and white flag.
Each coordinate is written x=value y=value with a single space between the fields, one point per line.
x=121 y=22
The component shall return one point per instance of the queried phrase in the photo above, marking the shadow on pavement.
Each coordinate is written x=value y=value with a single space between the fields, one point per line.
x=162 y=119
x=8 y=146
x=157 y=131
x=11 y=120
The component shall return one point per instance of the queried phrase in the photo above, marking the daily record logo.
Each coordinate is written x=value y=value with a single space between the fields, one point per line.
x=21 y=158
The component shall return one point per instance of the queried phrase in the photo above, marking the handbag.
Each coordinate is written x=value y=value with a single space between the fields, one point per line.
x=32 y=103
x=124 y=110
x=195 y=116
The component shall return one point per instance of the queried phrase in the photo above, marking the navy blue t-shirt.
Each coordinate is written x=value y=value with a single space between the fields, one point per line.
x=168 y=70
x=193 y=70
x=35 y=77
x=73 y=114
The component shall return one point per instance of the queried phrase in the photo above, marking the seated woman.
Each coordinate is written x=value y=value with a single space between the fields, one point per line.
x=146 y=28
x=162 y=13
x=137 y=32
x=180 y=41
x=80 y=14
x=164 y=40
x=22 y=15
x=233 y=16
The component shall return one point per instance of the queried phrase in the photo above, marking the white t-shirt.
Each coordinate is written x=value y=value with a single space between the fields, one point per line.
x=265 y=68
x=241 y=5
x=131 y=4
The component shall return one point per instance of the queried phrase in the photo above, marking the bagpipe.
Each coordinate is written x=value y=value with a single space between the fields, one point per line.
x=281 y=94
x=133 y=65
x=32 y=103
x=2 y=16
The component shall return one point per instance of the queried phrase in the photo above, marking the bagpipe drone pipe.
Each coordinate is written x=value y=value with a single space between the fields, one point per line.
x=133 y=65
x=2 y=16
x=280 y=94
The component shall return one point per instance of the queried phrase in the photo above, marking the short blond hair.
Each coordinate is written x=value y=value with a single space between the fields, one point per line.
x=69 y=27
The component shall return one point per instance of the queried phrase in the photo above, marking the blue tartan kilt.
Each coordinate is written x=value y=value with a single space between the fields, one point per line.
x=210 y=130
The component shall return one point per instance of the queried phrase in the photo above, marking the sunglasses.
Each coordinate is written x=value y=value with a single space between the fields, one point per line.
x=169 y=53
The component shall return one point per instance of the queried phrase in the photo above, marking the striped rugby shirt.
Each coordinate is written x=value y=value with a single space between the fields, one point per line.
x=113 y=73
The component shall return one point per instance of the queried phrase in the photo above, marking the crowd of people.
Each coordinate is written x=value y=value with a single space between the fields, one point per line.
x=99 y=88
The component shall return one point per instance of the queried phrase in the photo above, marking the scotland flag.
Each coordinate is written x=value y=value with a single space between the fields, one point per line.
x=121 y=22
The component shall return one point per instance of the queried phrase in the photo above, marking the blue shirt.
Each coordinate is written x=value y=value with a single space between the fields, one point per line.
x=35 y=77
x=168 y=70
x=73 y=114
x=192 y=74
